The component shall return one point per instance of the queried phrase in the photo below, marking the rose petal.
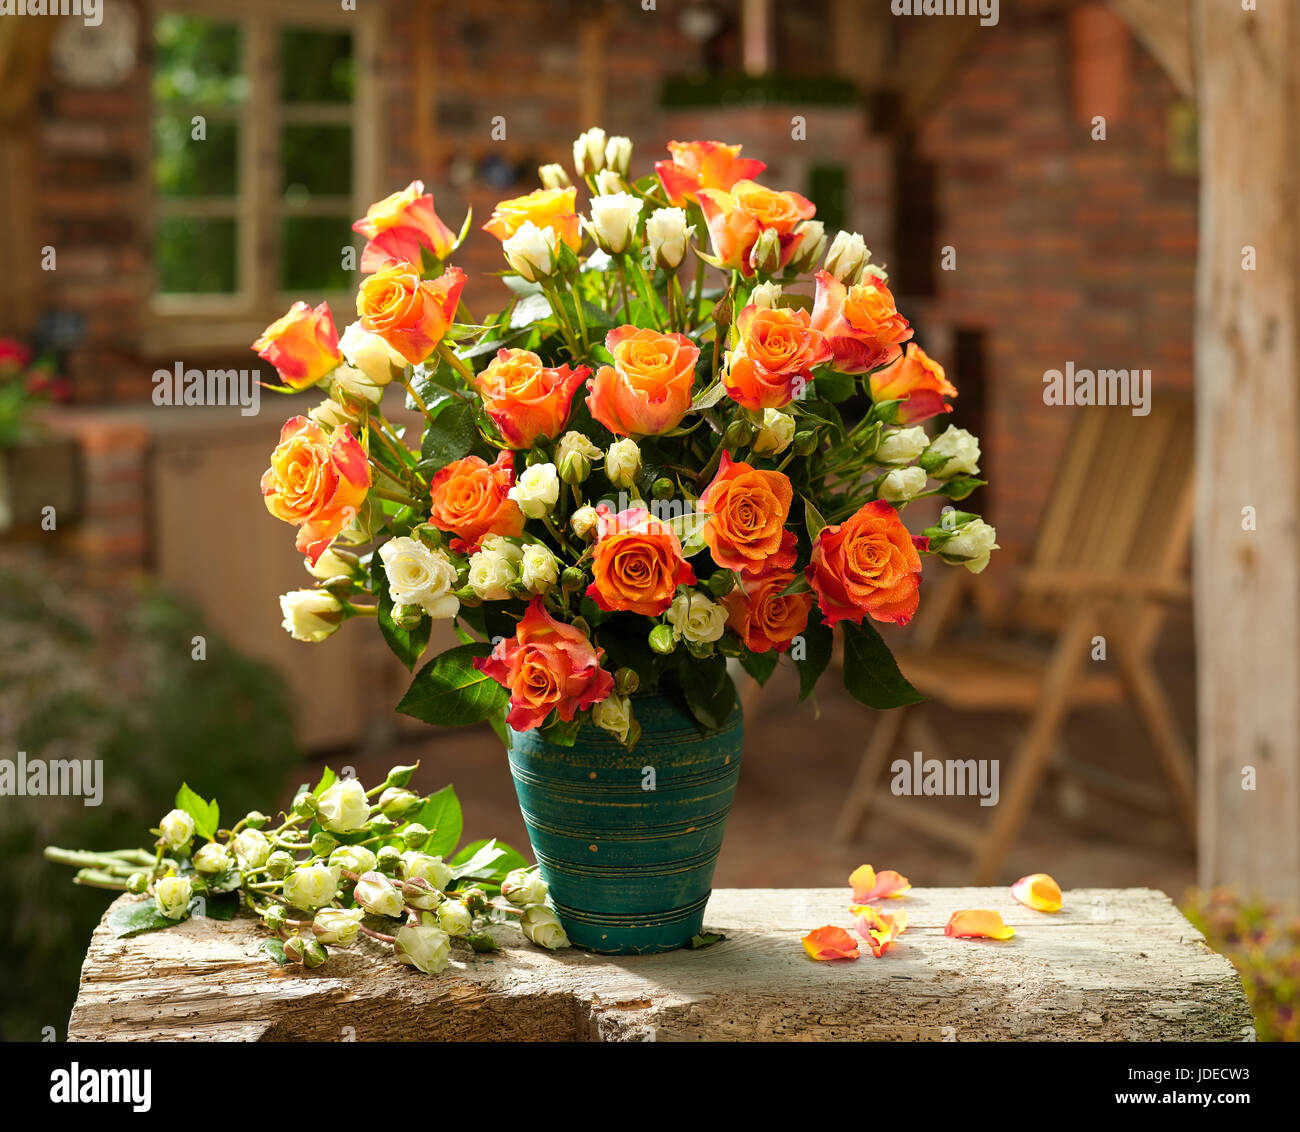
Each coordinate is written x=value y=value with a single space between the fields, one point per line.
x=869 y=885
x=1038 y=891
x=830 y=942
x=879 y=929
x=978 y=923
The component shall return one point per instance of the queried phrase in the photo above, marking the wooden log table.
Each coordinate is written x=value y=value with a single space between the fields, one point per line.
x=1113 y=965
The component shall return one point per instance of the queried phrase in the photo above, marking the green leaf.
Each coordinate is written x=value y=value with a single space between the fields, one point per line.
x=708 y=689
x=499 y=859
x=407 y=644
x=819 y=642
x=800 y=585
x=327 y=779
x=131 y=919
x=961 y=487
x=206 y=815
x=705 y=939
x=760 y=665
x=812 y=519
x=275 y=949
x=450 y=692
x=220 y=907
x=441 y=816
x=481 y=941
x=831 y=385
x=448 y=436
x=707 y=398
x=870 y=672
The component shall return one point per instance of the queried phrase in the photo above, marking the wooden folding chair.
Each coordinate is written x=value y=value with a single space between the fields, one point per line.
x=1110 y=553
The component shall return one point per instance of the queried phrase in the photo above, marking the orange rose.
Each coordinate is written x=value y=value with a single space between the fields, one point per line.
x=737 y=218
x=866 y=565
x=400 y=227
x=918 y=381
x=861 y=322
x=703 y=165
x=548 y=666
x=409 y=313
x=526 y=399
x=747 y=511
x=471 y=500
x=648 y=388
x=637 y=563
x=547 y=208
x=778 y=350
x=316 y=482
x=303 y=345
x=764 y=618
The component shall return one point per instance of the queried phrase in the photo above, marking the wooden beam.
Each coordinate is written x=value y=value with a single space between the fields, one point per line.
x=756 y=36
x=1247 y=532
x=1164 y=28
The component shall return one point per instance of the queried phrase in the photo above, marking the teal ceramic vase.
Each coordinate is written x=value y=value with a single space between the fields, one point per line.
x=627 y=840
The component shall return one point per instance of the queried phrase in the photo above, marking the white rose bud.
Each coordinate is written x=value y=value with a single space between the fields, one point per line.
x=765 y=255
x=543 y=927
x=613 y=221
x=589 y=151
x=344 y=807
x=454 y=918
x=310 y=615
x=331 y=564
x=848 y=255
x=954 y=452
x=531 y=251
x=608 y=183
x=420 y=576
x=901 y=445
x=613 y=714
x=524 y=886
x=371 y=354
x=667 y=234
x=901 y=485
x=972 y=545
x=812 y=244
x=622 y=462
x=774 y=433
x=354 y=858
x=494 y=568
x=337 y=926
x=311 y=886
x=177 y=829
x=765 y=296
x=553 y=177
x=172 y=895
x=537 y=490
x=618 y=154
x=423 y=946
x=538 y=569
x=251 y=848
x=352 y=387
x=211 y=859
x=421 y=866
x=696 y=617
x=583 y=521
x=576 y=442
x=377 y=894
x=330 y=415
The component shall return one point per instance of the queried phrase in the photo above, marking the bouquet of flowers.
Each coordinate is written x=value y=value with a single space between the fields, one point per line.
x=637 y=469
x=26 y=381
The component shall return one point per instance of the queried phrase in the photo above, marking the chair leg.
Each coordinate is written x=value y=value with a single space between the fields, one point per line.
x=871 y=769
x=1031 y=755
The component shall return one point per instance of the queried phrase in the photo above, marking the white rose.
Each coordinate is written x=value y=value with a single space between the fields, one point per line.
x=667 y=233
x=612 y=714
x=961 y=451
x=354 y=387
x=583 y=521
x=531 y=251
x=212 y=858
x=576 y=442
x=310 y=615
x=251 y=848
x=331 y=564
x=622 y=462
x=353 y=858
x=901 y=485
x=537 y=490
x=344 y=807
x=608 y=183
x=311 y=886
x=697 y=618
x=538 y=569
x=421 y=866
x=901 y=445
x=613 y=221
x=524 y=886
x=553 y=176
x=369 y=353
x=765 y=296
x=774 y=434
x=973 y=544
x=377 y=894
x=330 y=415
x=494 y=569
x=543 y=927
x=847 y=256
x=420 y=576
x=337 y=926
x=423 y=946
x=589 y=151
x=454 y=918
x=812 y=244
x=177 y=829
x=172 y=895
x=618 y=154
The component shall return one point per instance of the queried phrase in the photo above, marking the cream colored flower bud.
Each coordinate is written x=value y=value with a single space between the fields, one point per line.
x=902 y=485
x=337 y=926
x=543 y=927
x=523 y=887
x=331 y=564
x=531 y=251
x=371 y=354
x=608 y=183
x=765 y=296
x=613 y=714
x=330 y=415
x=352 y=388
x=354 y=858
x=774 y=433
x=494 y=568
x=172 y=896
x=583 y=521
x=418 y=575
x=667 y=234
x=538 y=570
x=972 y=545
x=618 y=154
x=848 y=254
x=536 y=490
x=589 y=151
x=454 y=918
x=812 y=244
x=251 y=848
x=765 y=255
x=377 y=894
x=697 y=618
x=959 y=452
x=553 y=177
x=421 y=866
x=311 y=886
x=310 y=615
x=177 y=829
x=613 y=221
x=901 y=445
x=623 y=462
x=423 y=946
x=212 y=858
x=344 y=807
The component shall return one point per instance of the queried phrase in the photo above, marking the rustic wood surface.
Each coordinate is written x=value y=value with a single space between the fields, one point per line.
x=1114 y=964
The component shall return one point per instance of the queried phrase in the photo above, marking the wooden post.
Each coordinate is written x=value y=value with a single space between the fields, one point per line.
x=756 y=36
x=1247 y=556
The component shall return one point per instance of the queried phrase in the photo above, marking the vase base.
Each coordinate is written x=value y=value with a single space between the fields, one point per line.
x=639 y=934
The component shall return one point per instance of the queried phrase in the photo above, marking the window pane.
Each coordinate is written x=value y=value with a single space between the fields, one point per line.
x=317 y=161
x=196 y=256
x=316 y=66
x=186 y=166
x=197 y=60
x=311 y=253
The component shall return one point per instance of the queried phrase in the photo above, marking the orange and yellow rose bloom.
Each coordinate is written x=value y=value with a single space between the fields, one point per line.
x=647 y=390
x=547 y=666
x=411 y=314
x=400 y=227
x=867 y=565
x=918 y=381
x=737 y=218
x=637 y=563
x=777 y=352
x=861 y=322
x=703 y=165
x=316 y=481
x=303 y=345
x=470 y=499
x=748 y=509
x=525 y=398
x=763 y=616
x=547 y=208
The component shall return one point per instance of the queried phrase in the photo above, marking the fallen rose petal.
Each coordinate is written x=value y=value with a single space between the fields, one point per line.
x=978 y=923
x=1038 y=891
x=830 y=942
x=879 y=929
x=869 y=885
